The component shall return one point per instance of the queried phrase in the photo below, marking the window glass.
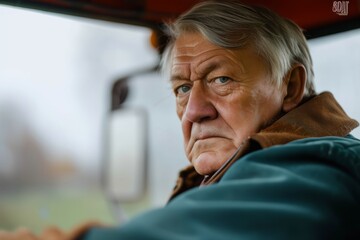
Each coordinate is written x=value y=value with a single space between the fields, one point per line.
x=55 y=78
x=336 y=65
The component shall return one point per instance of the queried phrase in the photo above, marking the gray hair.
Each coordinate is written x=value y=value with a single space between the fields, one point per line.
x=232 y=25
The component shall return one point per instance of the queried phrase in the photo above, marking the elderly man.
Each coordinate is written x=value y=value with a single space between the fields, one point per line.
x=270 y=159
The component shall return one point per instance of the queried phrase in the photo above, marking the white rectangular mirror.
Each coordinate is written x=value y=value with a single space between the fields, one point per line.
x=125 y=165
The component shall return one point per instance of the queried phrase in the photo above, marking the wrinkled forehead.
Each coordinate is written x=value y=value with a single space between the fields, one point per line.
x=196 y=49
x=192 y=51
x=192 y=44
x=194 y=56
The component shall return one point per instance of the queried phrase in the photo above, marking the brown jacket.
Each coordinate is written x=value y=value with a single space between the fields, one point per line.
x=318 y=117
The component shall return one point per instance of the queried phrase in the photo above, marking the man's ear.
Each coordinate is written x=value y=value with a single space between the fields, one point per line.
x=294 y=87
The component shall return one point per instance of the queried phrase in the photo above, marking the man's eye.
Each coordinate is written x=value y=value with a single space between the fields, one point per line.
x=222 y=80
x=182 y=89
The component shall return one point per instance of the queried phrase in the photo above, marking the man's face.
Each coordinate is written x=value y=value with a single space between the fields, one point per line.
x=222 y=97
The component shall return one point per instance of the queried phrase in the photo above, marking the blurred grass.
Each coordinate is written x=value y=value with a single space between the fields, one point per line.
x=63 y=208
x=66 y=208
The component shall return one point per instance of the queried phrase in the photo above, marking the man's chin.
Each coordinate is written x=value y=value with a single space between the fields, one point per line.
x=207 y=163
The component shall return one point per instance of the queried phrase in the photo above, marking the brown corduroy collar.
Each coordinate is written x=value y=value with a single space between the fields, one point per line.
x=318 y=117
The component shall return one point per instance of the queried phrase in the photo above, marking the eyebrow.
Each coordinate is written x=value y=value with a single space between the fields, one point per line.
x=208 y=68
x=177 y=77
x=203 y=71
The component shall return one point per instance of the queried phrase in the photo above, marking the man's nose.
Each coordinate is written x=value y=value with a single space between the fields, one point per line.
x=199 y=106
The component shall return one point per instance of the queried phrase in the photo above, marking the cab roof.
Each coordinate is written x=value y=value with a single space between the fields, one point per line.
x=317 y=18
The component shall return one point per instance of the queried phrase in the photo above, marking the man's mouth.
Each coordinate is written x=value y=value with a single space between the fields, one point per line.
x=204 y=135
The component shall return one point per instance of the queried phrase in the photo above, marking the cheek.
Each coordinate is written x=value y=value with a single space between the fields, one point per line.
x=238 y=109
x=180 y=108
x=271 y=98
x=185 y=125
x=268 y=108
x=242 y=114
x=179 y=111
x=186 y=129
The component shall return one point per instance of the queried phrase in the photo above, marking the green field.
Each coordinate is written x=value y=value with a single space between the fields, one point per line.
x=66 y=208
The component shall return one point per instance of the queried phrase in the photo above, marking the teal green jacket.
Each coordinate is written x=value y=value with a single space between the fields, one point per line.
x=305 y=189
x=299 y=178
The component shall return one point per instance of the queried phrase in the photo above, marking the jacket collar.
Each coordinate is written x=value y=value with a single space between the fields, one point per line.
x=319 y=117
